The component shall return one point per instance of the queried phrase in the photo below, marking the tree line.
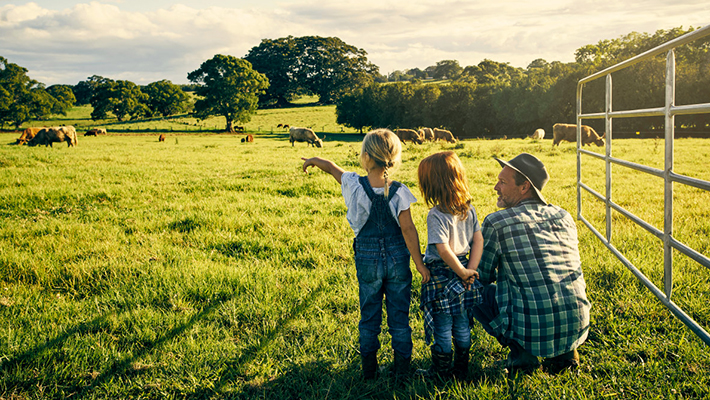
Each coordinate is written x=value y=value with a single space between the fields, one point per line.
x=494 y=99
x=489 y=99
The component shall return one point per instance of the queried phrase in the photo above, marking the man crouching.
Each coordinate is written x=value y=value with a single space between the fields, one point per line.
x=538 y=306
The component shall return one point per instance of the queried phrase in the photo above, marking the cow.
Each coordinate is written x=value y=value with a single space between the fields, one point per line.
x=27 y=135
x=539 y=134
x=248 y=139
x=95 y=132
x=48 y=136
x=443 y=134
x=239 y=129
x=427 y=134
x=304 y=135
x=161 y=138
x=410 y=135
x=568 y=132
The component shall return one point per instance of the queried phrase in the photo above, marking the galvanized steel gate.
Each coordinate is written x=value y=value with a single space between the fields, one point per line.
x=669 y=111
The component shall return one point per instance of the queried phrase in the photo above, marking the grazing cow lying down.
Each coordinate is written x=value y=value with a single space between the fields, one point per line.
x=539 y=134
x=161 y=138
x=95 y=132
x=427 y=134
x=48 y=136
x=408 y=135
x=304 y=135
x=568 y=132
x=27 y=135
x=443 y=134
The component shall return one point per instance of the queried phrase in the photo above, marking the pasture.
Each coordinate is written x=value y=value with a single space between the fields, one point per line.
x=203 y=267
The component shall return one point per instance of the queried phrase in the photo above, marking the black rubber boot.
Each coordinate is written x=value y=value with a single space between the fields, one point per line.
x=401 y=367
x=440 y=366
x=460 y=363
x=369 y=366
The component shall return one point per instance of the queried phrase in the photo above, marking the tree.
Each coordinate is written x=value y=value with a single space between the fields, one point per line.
x=447 y=69
x=84 y=90
x=326 y=67
x=165 y=98
x=276 y=59
x=122 y=98
x=230 y=87
x=64 y=98
x=21 y=98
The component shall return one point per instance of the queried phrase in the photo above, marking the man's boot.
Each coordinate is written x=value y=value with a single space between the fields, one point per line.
x=440 y=366
x=520 y=360
x=369 y=366
x=555 y=365
x=401 y=367
x=460 y=363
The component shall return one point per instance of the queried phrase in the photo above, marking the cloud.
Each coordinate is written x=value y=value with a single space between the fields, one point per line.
x=125 y=39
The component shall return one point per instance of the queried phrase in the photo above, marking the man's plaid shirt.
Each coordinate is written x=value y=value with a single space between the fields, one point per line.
x=531 y=251
x=446 y=293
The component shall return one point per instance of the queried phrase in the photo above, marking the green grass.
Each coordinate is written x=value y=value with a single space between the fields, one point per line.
x=203 y=267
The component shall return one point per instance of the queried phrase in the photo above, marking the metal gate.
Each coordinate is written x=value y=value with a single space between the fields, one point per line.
x=669 y=111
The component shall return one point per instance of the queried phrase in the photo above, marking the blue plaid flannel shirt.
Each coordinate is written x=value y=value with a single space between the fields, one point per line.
x=446 y=293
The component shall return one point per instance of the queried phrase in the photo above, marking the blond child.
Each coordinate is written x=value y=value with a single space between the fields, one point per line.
x=385 y=238
x=454 y=248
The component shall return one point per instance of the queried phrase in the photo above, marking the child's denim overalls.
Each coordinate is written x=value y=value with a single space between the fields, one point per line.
x=382 y=262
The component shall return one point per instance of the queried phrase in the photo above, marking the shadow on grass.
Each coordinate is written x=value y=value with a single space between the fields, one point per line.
x=122 y=367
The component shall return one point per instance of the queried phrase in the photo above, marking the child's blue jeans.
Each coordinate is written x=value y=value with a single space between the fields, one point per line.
x=447 y=327
x=384 y=273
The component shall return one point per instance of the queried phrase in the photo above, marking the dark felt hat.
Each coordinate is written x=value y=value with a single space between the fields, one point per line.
x=531 y=168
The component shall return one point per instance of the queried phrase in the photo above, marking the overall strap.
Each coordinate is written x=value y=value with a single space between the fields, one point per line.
x=371 y=193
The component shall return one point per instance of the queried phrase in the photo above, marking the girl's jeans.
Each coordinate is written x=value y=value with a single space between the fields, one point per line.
x=384 y=273
x=446 y=327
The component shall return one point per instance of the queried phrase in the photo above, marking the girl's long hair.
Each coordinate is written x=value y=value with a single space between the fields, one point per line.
x=442 y=181
x=383 y=148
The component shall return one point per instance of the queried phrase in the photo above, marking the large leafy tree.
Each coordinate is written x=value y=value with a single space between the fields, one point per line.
x=64 y=98
x=21 y=99
x=84 y=90
x=122 y=98
x=322 y=66
x=229 y=87
x=447 y=69
x=275 y=59
x=166 y=98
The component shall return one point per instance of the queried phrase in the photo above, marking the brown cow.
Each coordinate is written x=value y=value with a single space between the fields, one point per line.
x=304 y=135
x=95 y=132
x=568 y=132
x=248 y=139
x=28 y=134
x=48 y=136
x=161 y=138
x=443 y=134
x=427 y=134
x=410 y=135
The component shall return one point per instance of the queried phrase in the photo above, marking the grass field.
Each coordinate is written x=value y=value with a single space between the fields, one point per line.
x=202 y=267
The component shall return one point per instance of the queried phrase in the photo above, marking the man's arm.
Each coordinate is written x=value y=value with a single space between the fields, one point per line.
x=490 y=256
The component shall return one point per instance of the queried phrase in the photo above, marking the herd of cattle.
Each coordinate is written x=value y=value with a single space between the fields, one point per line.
x=561 y=132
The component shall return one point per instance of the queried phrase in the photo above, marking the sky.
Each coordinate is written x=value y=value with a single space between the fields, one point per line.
x=143 y=41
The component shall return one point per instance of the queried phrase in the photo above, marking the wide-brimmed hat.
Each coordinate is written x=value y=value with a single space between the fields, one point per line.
x=531 y=168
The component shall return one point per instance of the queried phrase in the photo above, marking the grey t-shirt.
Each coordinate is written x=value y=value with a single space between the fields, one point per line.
x=446 y=228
